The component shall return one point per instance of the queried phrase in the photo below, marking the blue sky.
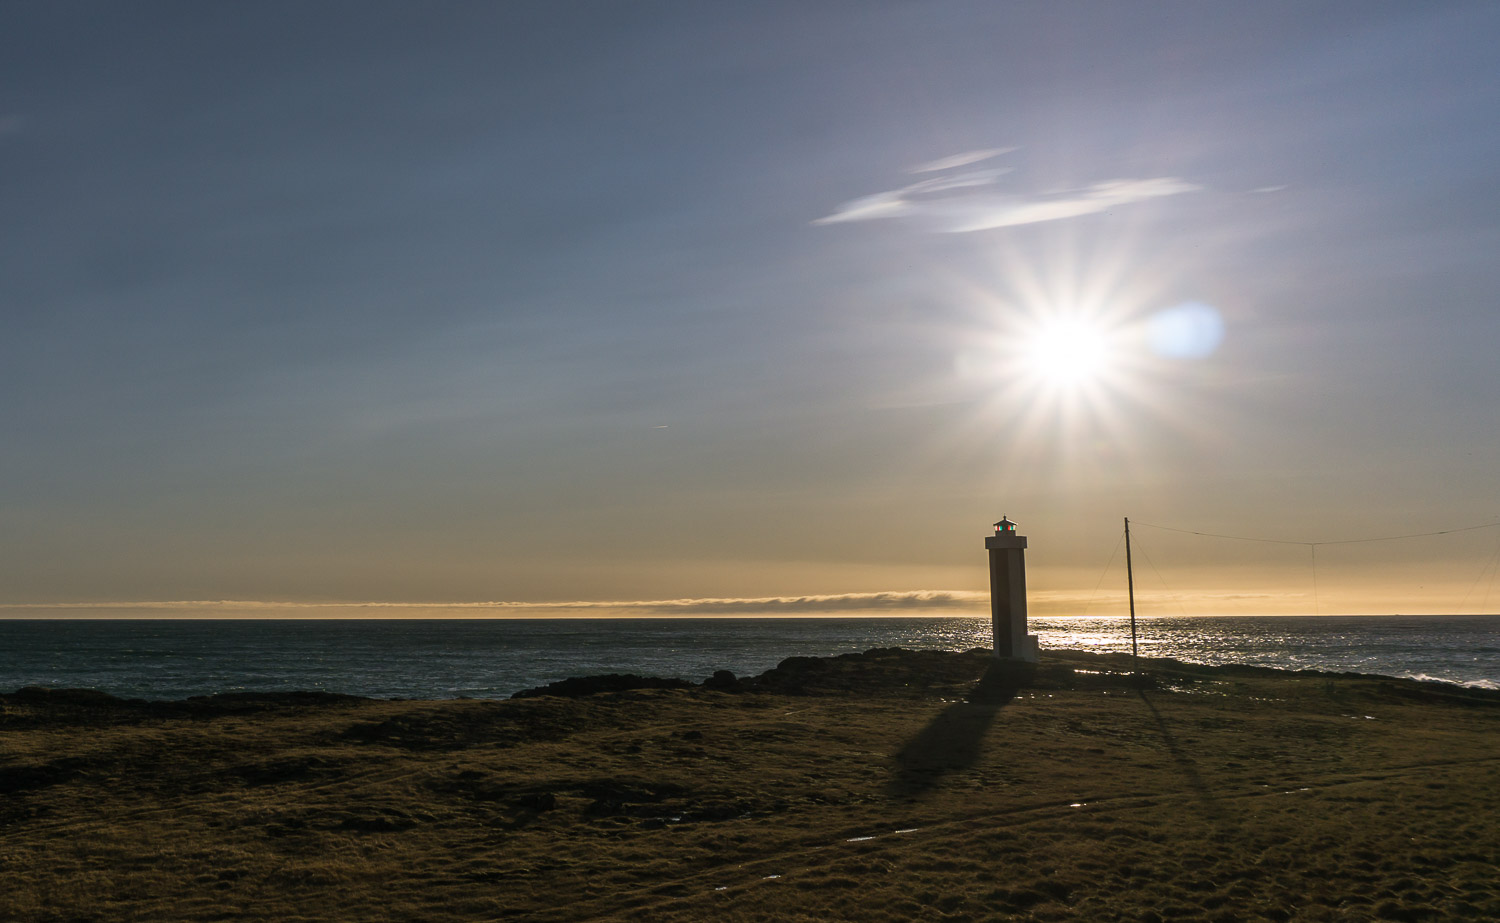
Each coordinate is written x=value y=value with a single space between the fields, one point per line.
x=546 y=301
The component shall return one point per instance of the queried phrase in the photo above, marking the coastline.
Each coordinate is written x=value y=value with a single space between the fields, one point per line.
x=885 y=785
x=494 y=658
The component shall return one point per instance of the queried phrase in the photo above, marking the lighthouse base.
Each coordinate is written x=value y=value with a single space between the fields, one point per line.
x=1026 y=650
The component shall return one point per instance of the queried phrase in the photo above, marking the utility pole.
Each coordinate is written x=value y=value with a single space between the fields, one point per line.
x=1135 y=654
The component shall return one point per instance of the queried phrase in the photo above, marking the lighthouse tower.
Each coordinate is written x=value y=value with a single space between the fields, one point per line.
x=1008 y=593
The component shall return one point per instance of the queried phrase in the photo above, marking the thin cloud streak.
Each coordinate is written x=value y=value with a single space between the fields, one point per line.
x=963 y=202
x=960 y=160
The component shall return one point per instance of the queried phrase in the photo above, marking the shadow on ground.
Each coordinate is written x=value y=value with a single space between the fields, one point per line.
x=1185 y=765
x=954 y=739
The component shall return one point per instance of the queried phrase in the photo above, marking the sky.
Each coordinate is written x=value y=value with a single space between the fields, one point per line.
x=557 y=308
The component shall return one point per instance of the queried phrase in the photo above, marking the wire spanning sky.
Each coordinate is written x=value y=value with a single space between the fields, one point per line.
x=537 y=302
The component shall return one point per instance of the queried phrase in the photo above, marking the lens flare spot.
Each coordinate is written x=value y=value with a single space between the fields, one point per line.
x=1192 y=330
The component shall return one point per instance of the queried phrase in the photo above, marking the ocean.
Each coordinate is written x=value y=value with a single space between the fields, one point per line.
x=441 y=659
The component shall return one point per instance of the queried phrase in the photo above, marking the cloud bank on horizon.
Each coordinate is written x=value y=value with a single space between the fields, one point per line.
x=763 y=605
x=960 y=202
x=964 y=603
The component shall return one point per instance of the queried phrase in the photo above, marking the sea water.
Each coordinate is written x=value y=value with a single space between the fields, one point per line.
x=170 y=659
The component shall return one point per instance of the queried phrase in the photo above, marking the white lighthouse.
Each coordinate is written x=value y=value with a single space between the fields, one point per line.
x=1008 y=593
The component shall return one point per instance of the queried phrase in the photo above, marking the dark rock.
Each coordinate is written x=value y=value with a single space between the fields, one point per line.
x=723 y=681
x=15 y=779
x=88 y=698
x=579 y=686
x=881 y=671
x=236 y=703
x=41 y=706
x=538 y=801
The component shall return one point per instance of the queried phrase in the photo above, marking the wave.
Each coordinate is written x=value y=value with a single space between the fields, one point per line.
x=1470 y=683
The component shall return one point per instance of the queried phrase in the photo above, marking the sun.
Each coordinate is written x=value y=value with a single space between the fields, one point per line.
x=1068 y=352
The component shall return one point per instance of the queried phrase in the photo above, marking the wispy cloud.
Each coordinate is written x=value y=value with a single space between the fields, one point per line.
x=969 y=200
x=960 y=160
x=957 y=600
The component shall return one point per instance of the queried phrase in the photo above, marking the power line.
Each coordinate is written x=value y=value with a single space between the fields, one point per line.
x=1313 y=563
x=1176 y=598
x=1348 y=541
x=1102 y=574
x=1490 y=567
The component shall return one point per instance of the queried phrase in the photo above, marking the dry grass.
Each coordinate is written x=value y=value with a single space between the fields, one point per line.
x=869 y=788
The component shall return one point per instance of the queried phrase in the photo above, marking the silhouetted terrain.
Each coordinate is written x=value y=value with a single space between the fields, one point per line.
x=887 y=785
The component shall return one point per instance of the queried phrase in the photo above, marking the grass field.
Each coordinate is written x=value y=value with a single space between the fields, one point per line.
x=886 y=786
